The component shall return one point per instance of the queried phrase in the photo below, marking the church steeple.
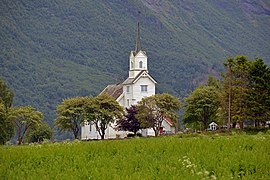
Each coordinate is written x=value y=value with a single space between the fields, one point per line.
x=138 y=39
x=138 y=58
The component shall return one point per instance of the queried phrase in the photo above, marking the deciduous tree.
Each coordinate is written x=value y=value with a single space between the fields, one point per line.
x=129 y=122
x=201 y=106
x=24 y=119
x=103 y=111
x=40 y=133
x=70 y=114
x=152 y=110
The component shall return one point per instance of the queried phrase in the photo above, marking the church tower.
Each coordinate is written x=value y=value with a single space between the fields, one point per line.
x=139 y=83
x=137 y=58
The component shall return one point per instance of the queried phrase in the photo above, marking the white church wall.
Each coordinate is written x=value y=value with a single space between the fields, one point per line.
x=90 y=132
x=134 y=65
x=140 y=58
x=167 y=127
x=137 y=94
x=128 y=96
x=148 y=132
x=121 y=101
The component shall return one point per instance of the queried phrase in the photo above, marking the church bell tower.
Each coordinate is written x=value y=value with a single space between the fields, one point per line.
x=137 y=58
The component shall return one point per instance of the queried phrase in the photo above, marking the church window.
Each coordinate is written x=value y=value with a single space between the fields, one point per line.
x=132 y=65
x=127 y=102
x=143 y=88
x=128 y=89
x=140 y=64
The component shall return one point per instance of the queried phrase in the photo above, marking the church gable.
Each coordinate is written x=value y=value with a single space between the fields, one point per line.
x=143 y=74
x=141 y=54
x=138 y=54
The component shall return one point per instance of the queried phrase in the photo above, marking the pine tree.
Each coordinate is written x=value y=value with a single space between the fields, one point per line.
x=258 y=96
x=235 y=88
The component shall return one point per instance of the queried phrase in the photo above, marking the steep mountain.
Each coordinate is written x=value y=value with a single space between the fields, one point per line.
x=52 y=50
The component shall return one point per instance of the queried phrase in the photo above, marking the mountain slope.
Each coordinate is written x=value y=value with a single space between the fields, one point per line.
x=60 y=49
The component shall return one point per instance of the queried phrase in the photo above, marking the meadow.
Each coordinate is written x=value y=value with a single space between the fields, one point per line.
x=173 y=157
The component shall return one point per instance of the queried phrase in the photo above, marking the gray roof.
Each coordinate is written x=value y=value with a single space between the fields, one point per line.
x=128 y=81
x=114 y=90
x=131 y=80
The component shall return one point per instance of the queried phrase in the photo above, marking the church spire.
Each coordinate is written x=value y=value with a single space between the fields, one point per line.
x=138 y=39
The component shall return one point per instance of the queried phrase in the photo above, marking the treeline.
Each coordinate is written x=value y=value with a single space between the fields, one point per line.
x=241 y=96
x=103 y=111
x=26 y=124
x=20 y=122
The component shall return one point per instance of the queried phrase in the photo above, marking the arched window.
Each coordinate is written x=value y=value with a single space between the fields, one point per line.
x=131 y=65
x=140 y=64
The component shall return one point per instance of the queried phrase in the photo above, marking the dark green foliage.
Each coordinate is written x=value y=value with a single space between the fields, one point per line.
x=202 y=106
x=6 y=95
x=256 y=130
x=245 y=92
x=236 y=87
x=6 y=99
x=52 y=50
x=258 y=96
x=40 y=134
x=6 y=128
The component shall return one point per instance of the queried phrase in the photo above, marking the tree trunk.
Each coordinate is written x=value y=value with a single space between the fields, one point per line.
x=233 y=124
x=156 y=130
x=229 y=112
x=19 y=140
x=241 y=125
x=156 y=133
x=205 y=123
x=75 y=133
x=19 y=136
x=102 y=135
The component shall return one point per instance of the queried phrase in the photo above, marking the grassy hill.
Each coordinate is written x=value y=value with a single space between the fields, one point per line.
x=168 y=157
x=60 y=49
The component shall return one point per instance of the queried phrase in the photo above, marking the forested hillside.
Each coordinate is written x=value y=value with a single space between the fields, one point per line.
x=52 y=50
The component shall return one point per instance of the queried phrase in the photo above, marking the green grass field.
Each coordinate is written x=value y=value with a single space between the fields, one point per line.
x=202 y=157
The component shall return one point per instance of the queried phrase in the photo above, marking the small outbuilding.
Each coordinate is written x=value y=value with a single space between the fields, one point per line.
x=213 y=126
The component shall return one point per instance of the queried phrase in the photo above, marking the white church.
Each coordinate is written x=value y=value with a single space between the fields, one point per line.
x=138 y=85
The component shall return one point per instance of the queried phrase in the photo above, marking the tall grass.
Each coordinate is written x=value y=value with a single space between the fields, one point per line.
x=209 y=157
